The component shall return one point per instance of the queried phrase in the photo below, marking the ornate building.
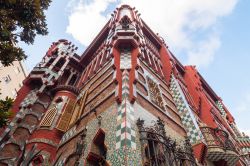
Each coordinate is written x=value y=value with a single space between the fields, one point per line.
x=125 y=101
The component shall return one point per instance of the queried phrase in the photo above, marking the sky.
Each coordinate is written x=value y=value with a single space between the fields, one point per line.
x=213 y=35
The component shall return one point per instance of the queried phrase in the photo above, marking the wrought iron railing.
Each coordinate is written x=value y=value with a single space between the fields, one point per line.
x=217 y=138
x=160 y=150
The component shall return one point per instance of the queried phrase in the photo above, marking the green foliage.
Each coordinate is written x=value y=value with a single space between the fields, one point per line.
x=5 y=113
x=20 y=20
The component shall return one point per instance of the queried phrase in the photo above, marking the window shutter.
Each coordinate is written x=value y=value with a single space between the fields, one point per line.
x=64 y=121
x=75 y=114
x=78 y=108
x=49 y=117
x=82 y=104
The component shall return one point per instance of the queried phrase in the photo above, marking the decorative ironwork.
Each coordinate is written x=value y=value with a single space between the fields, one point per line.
x=160 y=150
x=217 y=138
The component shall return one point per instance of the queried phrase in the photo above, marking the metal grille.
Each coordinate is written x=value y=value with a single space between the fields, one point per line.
x=49 y=117
x=160 y=150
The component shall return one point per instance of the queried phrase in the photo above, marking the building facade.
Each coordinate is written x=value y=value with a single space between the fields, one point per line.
x=125 y=101
x=11 y=79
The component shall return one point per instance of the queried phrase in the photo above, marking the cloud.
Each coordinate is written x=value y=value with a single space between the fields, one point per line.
x=204 y=51
x=186 y=25
x=242 y=113
x=243 y=106
x=86 y=19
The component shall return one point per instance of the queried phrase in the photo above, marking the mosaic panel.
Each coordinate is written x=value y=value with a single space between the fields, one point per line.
x=125 y=155
x=155 y=93
x=30 y=98
x=125 y=61
x=187 y=117
x=125 y=133
x=108 y=125
x=220 y=106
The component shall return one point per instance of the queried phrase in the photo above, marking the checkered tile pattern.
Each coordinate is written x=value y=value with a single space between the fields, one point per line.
x=236 y=130
x=220 y=106
x=68 y=134
x=187 y=117
x=30 y=98
x=125 y=61
x=125 y=133
x=230 y=157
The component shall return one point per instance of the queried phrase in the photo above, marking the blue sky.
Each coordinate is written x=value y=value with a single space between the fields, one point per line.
x=214 y=35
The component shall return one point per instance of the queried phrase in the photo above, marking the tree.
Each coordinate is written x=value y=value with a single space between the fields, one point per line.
x=20 y=20
x=5 y=112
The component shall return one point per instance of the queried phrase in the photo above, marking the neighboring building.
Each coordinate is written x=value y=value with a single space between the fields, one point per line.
x=11 y=79
x=125 y=101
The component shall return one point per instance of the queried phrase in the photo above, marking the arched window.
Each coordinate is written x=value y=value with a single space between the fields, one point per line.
x=97 y=154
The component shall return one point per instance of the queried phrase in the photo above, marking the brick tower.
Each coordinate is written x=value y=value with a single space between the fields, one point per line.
x=125 y=101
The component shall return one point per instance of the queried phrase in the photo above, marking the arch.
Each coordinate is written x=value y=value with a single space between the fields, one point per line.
x=10 y=150
x=98 y=151
x=38 y=108
x=21 y=134
x=44 y=98
x=59 y=100
x=30 y=119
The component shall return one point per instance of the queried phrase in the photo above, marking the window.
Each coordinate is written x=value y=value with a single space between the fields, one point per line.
x=7 y=79
x=49 y=117
x=97 y=155
x=65 y=118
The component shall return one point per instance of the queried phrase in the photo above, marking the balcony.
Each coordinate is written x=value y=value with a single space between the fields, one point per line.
x=70 y=88
x=220 y=147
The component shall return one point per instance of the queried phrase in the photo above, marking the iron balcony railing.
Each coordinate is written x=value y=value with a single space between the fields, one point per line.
x=217 y=138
